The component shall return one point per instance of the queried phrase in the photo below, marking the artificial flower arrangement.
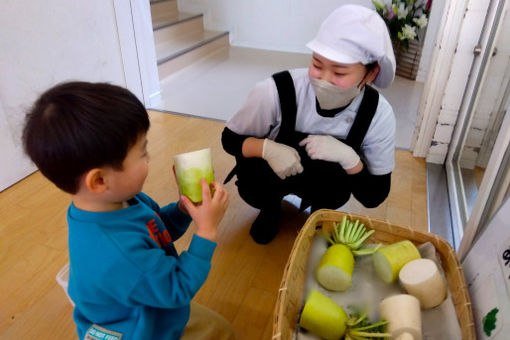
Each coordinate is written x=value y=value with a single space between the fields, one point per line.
x=404 y=18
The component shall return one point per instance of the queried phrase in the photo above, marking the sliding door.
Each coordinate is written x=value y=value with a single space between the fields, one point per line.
x=477 y=164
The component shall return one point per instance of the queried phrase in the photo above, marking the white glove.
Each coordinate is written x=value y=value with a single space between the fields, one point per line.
x=283 y=159
x=328 y=148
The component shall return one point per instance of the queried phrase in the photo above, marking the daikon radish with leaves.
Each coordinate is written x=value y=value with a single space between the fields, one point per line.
x=335 y=268
x=328 y=320
x=403 y=315
x=422 y=279
x=390 y=259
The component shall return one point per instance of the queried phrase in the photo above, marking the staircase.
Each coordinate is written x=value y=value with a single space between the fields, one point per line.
x=180 y=38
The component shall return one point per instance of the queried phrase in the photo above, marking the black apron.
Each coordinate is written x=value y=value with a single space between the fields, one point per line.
x=289 y=136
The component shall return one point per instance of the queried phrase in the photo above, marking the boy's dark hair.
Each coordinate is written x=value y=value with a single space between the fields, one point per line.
x=77 y=126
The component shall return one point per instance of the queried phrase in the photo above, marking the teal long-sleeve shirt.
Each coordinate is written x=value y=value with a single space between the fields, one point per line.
x=126 y=278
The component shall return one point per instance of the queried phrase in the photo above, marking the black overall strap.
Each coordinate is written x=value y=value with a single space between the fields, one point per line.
x=287 y=95
x=289 y=135
x=364 y=117
x=288 y=106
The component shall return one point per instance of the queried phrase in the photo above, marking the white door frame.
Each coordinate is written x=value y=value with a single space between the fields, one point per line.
x=134 y=26
x=439 y=71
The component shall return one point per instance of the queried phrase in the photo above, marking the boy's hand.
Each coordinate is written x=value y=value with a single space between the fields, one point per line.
x=180 y=205
x=208 y=213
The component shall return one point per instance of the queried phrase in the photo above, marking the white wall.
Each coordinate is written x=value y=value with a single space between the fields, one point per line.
x=11 y=153
x=287 y=25
x=284 y=25
x=47 y=42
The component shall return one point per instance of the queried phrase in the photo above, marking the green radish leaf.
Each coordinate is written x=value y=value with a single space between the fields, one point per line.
x=354 y=229
x=337 y=233
x=360 y=232
x=364 y=237
x=347 y=230
x=366 y=251
x=342 y=229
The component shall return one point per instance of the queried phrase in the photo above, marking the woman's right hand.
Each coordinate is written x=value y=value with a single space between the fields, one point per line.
x=208 y=214
x=283 y=159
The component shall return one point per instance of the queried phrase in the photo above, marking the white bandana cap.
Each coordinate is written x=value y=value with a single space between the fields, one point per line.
x=356 y=34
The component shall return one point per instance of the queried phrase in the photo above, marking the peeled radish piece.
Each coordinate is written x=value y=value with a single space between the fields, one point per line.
x=403 y=315
x=390 y=259
x=334 y=271
x=190 y=167
x=422 y=279
x=323 y=317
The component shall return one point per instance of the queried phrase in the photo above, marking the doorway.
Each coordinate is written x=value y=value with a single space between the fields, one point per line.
x=478 y=157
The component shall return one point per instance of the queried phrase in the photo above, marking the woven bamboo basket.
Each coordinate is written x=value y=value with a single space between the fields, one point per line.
x=290 y=296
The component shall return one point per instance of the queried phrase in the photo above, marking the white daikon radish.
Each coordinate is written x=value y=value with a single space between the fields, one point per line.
x=323 y=317
x=403 y=315
x=326 y=319
x=334 y=271
x=422 y=279
x=390 y=259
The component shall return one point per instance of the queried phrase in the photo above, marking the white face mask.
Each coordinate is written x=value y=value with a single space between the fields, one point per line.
x=331 y=96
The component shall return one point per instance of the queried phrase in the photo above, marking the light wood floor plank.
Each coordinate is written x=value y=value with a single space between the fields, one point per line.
x=245 y=277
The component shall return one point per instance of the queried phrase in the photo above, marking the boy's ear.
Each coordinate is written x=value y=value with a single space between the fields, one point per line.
x=95 y=181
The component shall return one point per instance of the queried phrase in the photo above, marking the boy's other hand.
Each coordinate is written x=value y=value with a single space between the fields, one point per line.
x=208 y=213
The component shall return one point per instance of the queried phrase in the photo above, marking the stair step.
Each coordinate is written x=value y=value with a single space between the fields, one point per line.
x=219 y=41
x=173 y=19
x=184 y=43
x=161 y=10
x=180 y=38
x=172 y=39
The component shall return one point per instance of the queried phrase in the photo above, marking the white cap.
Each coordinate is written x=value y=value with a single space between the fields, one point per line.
x=356 y=34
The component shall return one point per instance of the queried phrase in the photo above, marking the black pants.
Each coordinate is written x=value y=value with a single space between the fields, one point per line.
x=321 y=184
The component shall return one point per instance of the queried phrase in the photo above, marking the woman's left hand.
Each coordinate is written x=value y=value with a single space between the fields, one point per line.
x=328 y=148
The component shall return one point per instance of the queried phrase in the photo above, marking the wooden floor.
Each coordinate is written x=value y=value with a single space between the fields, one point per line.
x=245 y=276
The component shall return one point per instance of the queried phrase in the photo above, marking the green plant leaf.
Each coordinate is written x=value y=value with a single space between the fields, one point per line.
x=489 y=321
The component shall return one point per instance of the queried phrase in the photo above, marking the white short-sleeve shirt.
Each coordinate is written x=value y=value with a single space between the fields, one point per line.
x=260 y=116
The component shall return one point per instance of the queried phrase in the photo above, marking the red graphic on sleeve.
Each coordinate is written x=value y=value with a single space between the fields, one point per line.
x=162 y=238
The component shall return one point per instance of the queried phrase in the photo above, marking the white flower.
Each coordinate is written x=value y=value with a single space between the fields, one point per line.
x=403 y=11
x=408 y=32
x=421 y=21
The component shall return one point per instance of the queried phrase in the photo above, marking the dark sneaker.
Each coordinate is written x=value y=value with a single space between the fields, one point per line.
x=265 y=227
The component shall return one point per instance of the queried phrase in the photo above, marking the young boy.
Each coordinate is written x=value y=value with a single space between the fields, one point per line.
x=320 y=133
x=126 y=279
